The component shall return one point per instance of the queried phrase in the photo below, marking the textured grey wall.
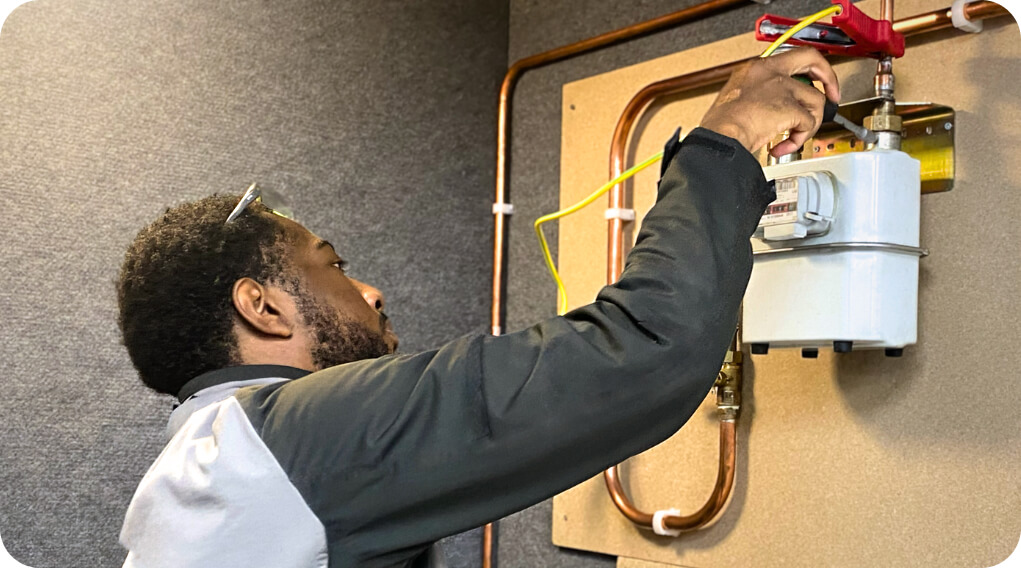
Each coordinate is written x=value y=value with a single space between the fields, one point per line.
x=536 y=26
x=377 y=117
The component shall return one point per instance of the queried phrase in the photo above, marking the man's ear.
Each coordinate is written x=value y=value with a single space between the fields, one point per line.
x=266 y=309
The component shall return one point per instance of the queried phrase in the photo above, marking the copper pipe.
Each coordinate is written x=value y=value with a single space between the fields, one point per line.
x=940 y=19
x=886 y=10
x=487 y=546
x=721 y=492
x=916 y=25
x=687 y=15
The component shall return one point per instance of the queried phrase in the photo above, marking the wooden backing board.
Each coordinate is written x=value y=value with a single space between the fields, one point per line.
x=856 y=460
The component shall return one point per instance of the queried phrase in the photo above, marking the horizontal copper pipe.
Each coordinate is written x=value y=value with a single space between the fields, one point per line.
x=687 y=15
x=715 y=503
x=917 y=25
x=940 y=19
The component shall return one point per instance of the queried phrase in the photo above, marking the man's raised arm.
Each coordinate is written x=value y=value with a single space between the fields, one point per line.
x=392 y=454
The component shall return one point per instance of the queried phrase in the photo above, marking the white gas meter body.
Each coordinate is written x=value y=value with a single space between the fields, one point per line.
x=836 y=255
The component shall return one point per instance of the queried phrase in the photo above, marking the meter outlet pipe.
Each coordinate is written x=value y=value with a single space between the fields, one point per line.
x=617 y=250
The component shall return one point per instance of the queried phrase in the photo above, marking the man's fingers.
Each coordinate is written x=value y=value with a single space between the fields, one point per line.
x=808 y=61
x=798 y=139
x=811 y=99
x=802 y=125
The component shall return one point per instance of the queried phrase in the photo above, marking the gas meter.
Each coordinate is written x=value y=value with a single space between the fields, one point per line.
x=836 y=255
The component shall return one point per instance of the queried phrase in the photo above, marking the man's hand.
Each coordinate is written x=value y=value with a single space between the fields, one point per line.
x=762 y=99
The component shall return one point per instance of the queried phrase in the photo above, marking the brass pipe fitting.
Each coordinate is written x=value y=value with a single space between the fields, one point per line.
x=728 y=387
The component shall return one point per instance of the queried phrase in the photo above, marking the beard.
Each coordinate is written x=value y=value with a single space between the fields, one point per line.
x=337 y=340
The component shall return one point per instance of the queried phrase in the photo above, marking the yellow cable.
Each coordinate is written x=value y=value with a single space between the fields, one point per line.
x=561 y=292
x=800 y=26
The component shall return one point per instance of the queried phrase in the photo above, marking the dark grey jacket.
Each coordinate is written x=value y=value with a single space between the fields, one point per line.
x=389 y=455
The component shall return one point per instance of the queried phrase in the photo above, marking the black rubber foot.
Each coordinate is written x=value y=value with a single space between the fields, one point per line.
x=810 y=353
x=760 y=348
x=842 y=346
x=894 y=352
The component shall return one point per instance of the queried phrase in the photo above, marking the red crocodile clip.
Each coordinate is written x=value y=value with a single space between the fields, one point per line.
x=852 y=33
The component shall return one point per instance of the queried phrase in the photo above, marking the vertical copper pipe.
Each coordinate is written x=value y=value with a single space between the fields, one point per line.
x=886 y=10
x=686 y=15
x=916 y=25
x=487 y=546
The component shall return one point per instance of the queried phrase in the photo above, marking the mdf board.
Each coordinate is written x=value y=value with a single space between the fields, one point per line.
x=856 y=459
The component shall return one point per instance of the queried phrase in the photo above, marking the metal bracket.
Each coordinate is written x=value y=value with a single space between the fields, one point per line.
x=927 y=135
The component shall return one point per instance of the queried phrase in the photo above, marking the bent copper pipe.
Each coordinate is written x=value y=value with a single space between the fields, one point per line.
x=687 y=15
x=715 y=503
x=617 y=249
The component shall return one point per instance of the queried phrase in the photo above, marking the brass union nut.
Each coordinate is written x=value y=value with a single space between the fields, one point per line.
x=883 y=123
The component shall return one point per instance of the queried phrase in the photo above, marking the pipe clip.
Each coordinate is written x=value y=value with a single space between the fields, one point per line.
x=503 y=209
x=618 y=213
x=961 y=21
x=659 y=527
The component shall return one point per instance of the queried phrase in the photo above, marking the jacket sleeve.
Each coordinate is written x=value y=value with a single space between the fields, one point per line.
x=394 y=453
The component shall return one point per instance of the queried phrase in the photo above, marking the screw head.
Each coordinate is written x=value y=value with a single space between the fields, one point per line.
x=947 y=125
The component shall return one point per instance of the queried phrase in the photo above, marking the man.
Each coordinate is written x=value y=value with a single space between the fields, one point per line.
x=302 y=440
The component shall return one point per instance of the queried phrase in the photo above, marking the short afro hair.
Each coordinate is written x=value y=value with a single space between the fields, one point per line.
x=174 y=291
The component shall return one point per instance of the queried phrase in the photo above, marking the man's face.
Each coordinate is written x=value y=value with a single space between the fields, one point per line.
x=344 y=316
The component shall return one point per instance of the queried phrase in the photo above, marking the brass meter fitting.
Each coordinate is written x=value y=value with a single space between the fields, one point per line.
x=728 y=387
x=887 y=127
x=883 y=123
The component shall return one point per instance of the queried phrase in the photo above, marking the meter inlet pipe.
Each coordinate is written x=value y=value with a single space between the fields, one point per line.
x=500 y=206
x=617 y=250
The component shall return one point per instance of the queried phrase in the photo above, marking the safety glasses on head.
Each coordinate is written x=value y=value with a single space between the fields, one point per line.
x=272 y=200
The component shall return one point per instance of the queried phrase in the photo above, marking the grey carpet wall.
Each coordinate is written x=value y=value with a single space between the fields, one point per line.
x=376 y=117
x=537 y=26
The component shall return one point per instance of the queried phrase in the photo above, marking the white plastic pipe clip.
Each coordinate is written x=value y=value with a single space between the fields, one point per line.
x=503 y=208
x=657 y=522
x=961 y=21
x=622 y=214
